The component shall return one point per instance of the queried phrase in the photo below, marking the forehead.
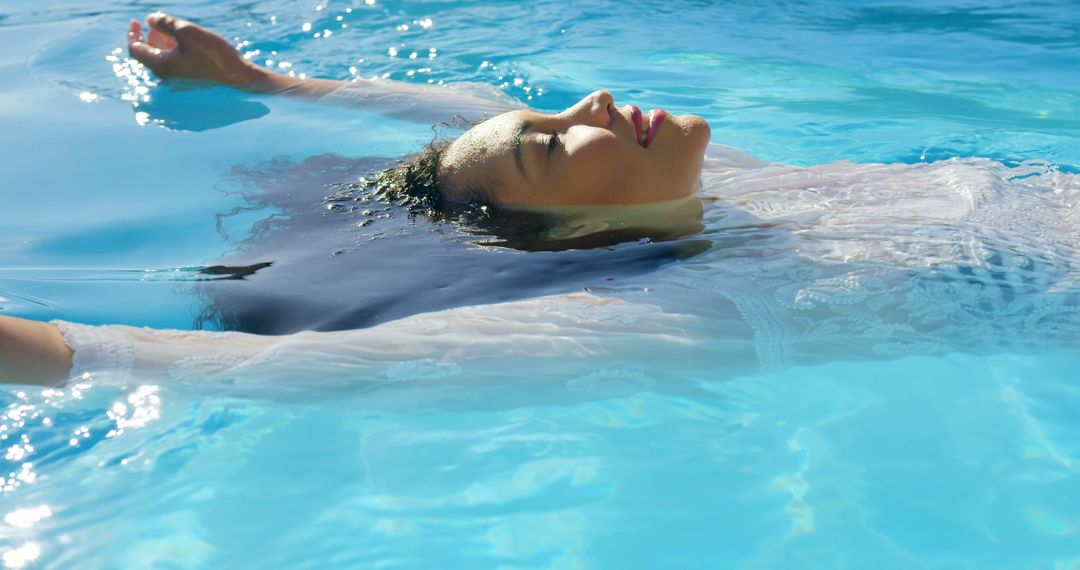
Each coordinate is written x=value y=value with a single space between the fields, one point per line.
x=483 y=144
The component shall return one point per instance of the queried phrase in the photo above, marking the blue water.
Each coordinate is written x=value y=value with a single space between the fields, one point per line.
x=955 y=461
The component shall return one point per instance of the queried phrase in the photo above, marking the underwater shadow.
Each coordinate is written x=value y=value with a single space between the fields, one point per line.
x=331 y=255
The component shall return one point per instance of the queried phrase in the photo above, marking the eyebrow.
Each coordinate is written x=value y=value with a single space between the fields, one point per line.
x=515 y=142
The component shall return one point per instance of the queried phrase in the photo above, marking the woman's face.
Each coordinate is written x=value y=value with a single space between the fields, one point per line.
x=593 y=153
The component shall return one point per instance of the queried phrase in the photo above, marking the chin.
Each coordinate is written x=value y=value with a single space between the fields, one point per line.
x=695 y=132
x=697 y=127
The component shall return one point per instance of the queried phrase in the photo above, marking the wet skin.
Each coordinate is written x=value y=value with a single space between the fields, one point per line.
x=589 y=154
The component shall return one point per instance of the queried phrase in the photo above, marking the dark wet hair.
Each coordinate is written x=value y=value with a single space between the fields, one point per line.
x=352 y=242
x=413 y=182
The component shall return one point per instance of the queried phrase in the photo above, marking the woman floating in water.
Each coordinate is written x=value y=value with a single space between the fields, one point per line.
x=806 y=264
x=594 y=153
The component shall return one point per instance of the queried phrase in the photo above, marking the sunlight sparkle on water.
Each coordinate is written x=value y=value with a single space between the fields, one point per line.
x=135 y=76
x=26 y=518
x=25 y=474
x=142 y=407
x=18 y=452
x=21 y=556
x=583 y=470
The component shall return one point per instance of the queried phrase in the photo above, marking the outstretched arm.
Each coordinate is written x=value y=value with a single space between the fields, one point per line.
x=487 y=339
x=177 y=48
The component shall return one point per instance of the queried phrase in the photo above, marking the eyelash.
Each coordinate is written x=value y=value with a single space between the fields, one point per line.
x=553 y=142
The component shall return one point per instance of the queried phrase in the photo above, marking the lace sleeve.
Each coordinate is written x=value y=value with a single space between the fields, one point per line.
x=424 y=103
x=117 y=353
x=575 y=329
x=98 y=348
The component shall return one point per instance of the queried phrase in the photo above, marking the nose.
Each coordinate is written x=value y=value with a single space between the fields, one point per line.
x=593 y=110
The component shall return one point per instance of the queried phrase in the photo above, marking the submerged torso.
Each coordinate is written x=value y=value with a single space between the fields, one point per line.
x=356 y=261
x=887 y=260
x=801 y=264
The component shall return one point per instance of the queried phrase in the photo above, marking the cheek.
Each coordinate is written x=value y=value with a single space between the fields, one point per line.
x=596 y=151
x=603 y=170
x=600 y=166
x=664 y=176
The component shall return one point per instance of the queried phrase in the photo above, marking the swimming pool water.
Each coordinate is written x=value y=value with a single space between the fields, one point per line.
x=953 y=461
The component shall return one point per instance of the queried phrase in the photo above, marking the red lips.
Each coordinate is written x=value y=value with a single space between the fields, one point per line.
x=656 y=118
x=635 y=116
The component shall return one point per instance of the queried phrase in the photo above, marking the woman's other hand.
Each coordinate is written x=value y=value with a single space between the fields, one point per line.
x=178 y=48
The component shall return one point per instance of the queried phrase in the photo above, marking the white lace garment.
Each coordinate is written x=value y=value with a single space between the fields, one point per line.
x=807 y=264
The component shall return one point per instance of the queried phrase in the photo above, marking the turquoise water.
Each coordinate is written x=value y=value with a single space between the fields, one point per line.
x=951 y=461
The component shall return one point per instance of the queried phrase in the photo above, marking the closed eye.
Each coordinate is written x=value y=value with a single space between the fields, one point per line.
x=553 y=142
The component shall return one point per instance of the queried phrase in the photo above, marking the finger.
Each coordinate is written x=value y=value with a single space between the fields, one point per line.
x=149 y=56
x=142 y=52
x=134 y=33
x=160 y=40
x=169 y=25
x=181 y=31
x=163 y=22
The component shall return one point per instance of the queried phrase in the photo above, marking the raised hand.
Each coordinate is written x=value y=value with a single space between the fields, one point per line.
x=178 y=48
